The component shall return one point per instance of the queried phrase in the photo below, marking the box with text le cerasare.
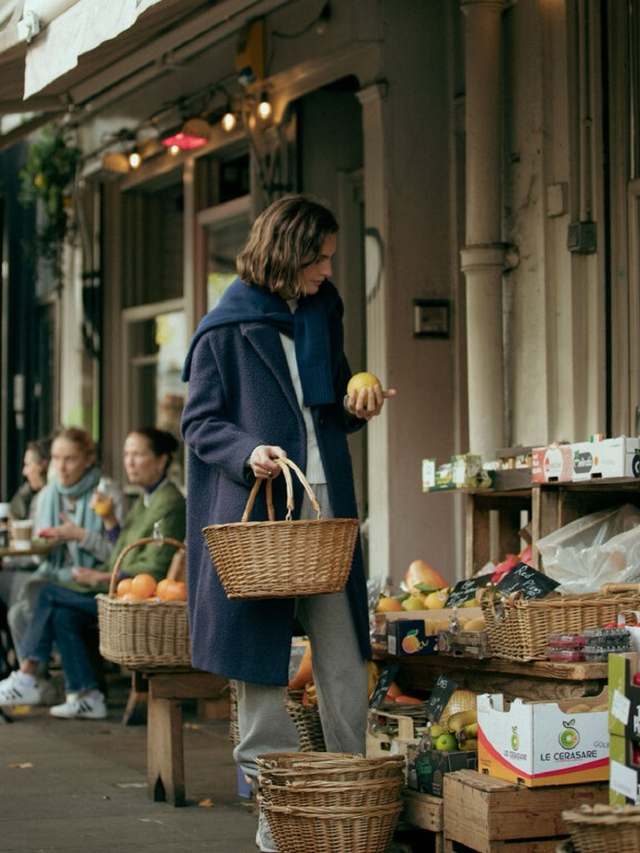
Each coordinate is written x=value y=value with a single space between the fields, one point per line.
x=543 y=743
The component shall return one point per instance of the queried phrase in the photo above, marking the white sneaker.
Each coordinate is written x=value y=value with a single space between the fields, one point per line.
x=264 y=838
x=14 y=692
x=89 y=705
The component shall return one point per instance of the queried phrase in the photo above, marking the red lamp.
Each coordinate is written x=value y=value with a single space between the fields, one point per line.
x=194 y=133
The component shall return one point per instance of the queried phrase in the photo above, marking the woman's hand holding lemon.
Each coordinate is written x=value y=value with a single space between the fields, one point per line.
x=365 y=397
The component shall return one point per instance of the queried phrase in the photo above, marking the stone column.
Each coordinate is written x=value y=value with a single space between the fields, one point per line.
x=483 y=257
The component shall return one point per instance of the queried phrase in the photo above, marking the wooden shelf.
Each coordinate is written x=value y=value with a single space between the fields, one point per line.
x=494 y=517
x=531 y=680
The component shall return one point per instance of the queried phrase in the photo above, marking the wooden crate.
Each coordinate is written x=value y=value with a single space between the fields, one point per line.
x=488 y=815
x=425 y=812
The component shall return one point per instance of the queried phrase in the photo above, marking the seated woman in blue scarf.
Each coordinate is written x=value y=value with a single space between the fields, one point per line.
x=64 y=610
x=65 y=515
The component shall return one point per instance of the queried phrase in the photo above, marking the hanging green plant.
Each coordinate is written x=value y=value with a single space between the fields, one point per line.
x=48 y=176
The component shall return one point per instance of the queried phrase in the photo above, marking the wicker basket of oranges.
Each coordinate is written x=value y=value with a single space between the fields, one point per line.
x=141 y=625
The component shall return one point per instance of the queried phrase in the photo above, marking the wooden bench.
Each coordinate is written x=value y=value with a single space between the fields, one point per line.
x=167 y=689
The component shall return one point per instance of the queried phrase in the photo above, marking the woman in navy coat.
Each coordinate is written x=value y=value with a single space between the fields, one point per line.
x=267 y=379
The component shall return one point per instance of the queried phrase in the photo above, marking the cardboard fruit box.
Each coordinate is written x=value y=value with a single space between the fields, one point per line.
x=543 y=743
x=610 y=457
x=552 y=464
x=411 y=632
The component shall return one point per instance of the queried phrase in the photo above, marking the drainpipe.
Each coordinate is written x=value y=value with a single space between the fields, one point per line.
x=484 y=258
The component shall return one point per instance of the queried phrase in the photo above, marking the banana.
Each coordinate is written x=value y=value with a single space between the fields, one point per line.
x=468 y=745
x=460 y=719
x=466 y=732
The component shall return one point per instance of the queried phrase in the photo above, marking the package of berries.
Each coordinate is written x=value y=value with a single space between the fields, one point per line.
x=566 y=647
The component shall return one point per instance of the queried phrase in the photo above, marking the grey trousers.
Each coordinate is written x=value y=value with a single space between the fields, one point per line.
x=339 y=673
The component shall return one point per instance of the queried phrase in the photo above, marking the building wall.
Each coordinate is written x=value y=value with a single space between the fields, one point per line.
x=413 y=58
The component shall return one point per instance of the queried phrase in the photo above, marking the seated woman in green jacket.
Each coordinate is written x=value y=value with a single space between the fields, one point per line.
x=64 y=609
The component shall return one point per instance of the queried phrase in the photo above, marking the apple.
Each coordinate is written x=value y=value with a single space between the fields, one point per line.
x=447 y=741
x=636 y=678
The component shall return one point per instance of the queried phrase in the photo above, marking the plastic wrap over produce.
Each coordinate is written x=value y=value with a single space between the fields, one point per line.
x=600 y=548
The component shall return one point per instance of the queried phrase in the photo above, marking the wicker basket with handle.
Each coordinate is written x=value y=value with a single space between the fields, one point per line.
x=280 y=559
x=143 y=633
x=519 y=628
x=306 y=719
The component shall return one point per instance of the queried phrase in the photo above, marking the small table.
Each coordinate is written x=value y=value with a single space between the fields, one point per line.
x=38 y=548
x=167 y=688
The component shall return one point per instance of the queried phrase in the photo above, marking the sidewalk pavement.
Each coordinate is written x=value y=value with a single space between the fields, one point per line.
x=73 y=786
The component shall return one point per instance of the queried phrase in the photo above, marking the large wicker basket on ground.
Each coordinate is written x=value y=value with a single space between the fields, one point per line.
x=280 y=559
x=325 y=802
x=143 y=633
x=519 y=628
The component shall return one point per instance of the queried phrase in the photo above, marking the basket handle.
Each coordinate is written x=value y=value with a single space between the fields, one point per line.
x=611 y=588
x=284 y=464
x=161 y=540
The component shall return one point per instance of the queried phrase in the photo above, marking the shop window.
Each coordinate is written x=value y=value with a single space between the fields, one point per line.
x=225 y=227
x=153 y=236
x=157 y=345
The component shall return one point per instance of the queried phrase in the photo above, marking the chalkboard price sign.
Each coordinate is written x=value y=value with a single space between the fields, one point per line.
x=384 y=683
x=532 y=583
x=442 y=691
x=466 y=590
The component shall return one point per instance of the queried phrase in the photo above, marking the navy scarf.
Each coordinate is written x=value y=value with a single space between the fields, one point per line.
x=308 y=326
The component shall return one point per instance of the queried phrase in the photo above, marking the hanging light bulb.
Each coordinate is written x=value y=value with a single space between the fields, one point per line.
x=228 y=121
x=264 y=107
x=135 y=159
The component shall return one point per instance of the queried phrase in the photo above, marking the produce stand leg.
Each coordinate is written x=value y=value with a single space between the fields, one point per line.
x=165 y=754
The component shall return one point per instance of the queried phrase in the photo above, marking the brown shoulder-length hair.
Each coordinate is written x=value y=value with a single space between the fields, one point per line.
x=285 y=237
x=81 y=438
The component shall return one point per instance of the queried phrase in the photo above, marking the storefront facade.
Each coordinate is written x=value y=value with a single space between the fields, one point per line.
x=482 y=160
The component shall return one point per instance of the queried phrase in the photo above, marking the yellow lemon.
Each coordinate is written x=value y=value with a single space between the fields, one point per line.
x=413 y=602
x=362 y=380
x=387 y=604
x=436 y=600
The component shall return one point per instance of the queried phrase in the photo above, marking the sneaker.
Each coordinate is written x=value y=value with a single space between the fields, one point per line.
x=89 y=706
x=264 y=838
x=13 y=691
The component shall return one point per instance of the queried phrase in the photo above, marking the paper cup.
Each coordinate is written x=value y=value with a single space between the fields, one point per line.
x=21 y=533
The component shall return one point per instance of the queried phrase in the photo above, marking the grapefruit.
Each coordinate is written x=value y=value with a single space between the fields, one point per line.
x=143 y=585
x=362 y=380
x=124 y=586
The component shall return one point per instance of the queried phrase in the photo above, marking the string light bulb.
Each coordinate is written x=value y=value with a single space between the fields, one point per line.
x=135 y=159
x=264 y=107
x=228 y=121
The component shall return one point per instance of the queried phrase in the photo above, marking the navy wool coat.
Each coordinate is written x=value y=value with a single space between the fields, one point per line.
x=240 y=396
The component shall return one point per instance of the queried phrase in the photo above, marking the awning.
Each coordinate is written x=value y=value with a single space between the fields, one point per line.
x=83 y=27
x=93 y=46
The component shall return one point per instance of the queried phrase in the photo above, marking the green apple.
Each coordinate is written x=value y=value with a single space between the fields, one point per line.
x=447 y=740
